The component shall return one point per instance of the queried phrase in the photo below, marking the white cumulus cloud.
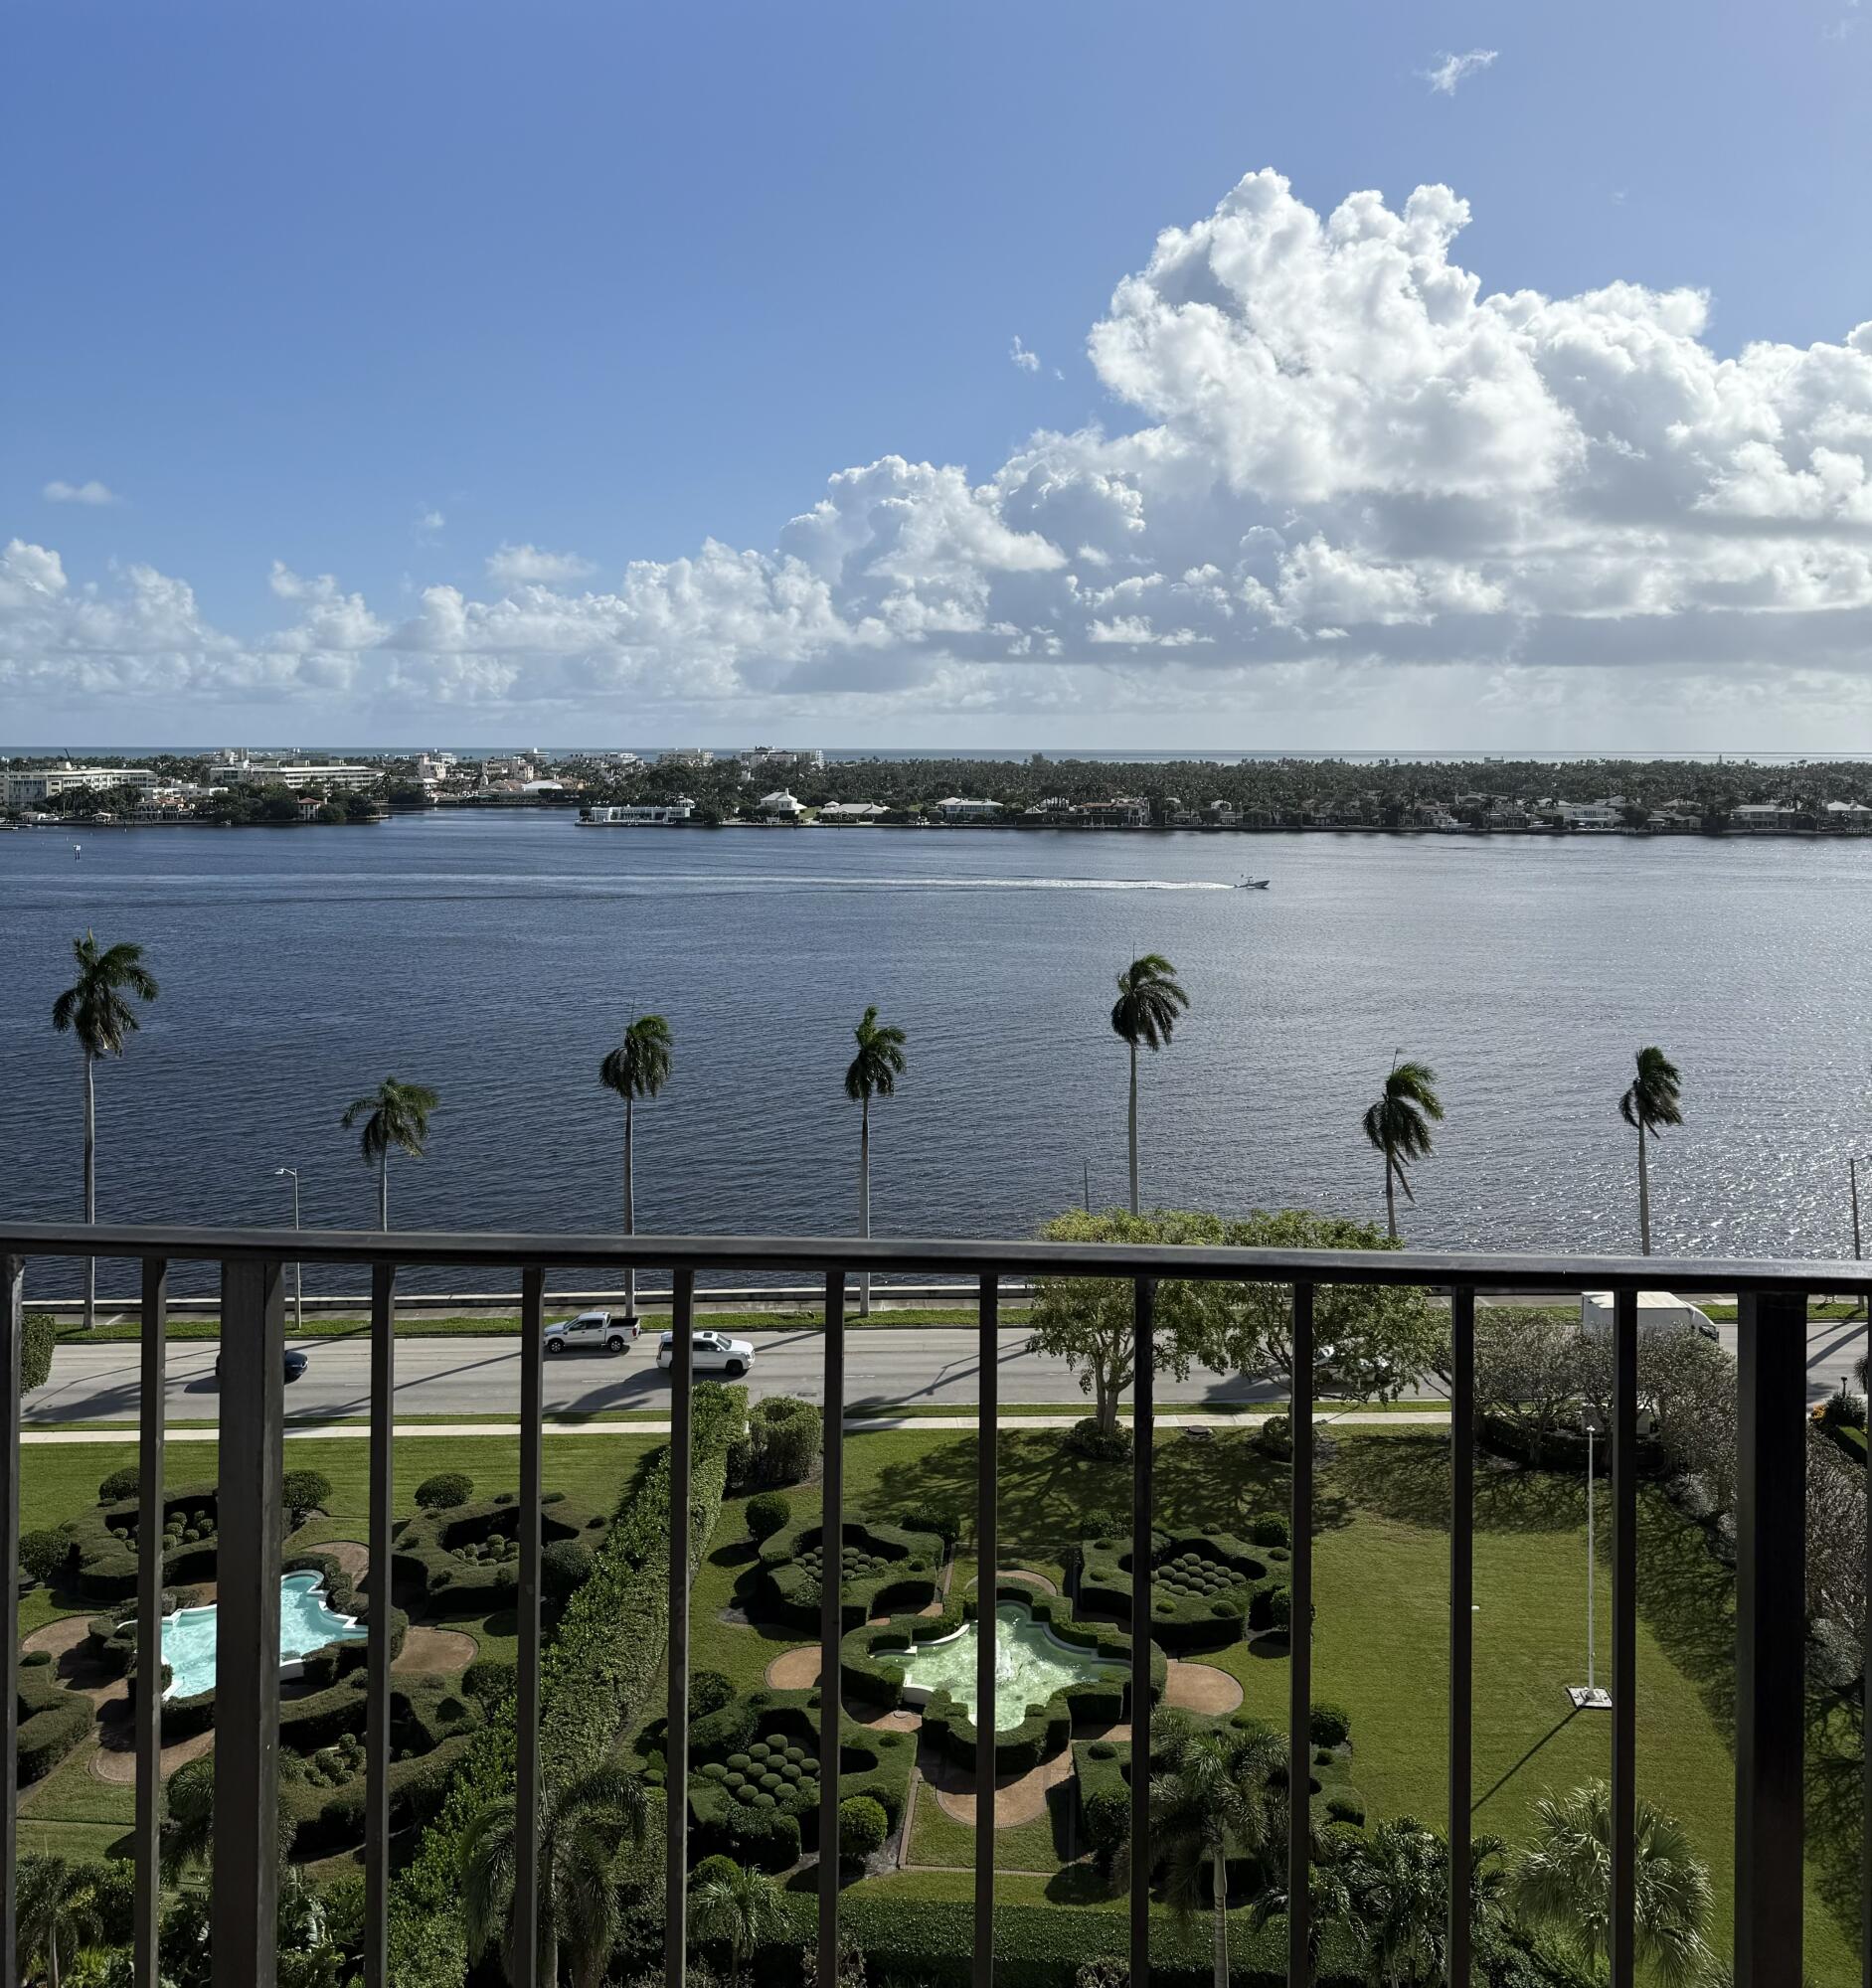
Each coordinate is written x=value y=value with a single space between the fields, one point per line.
x=1342 y=483
x=516 y=566
x=1449 y=72
x=93 y=492
x=1028 y=362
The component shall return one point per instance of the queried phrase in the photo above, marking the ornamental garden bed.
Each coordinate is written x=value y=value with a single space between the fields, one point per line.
x=1207 y=1588
x=464 y=1558
x=884 y=1569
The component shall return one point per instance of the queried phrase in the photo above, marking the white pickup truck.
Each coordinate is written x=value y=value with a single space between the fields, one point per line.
x=593 y=1332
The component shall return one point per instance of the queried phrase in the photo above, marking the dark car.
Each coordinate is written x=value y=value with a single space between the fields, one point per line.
x=295 y=1364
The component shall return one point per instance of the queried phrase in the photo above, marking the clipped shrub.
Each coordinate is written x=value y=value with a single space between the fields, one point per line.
x=304 y=1492
x=1271 y=1528
x=44 y=1555
x=714 y=1868
x=767 y=1514
x=564 y=1568
x=119 y=1485
x=781 y=1444
x=862 y=1828
x=1088 y=1437
x=1106 y=1812
x=1102 y=1750
x=446 y=1489
x=1342 y=1808
x=709 y=1691
x=1331 y=1724
x=38 y=1335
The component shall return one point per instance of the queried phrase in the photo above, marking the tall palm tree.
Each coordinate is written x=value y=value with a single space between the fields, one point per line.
x=1214 y=1794
x=57 y=1915
x=394 y=1114
x=745 y=1911
x=1563 y=1883
x=1146 y=1013
x=879 y=1062
x=637 y=1068
x=1650 y=1105
x=94 y=1009
x=583 y=1824
x=1398 y=1126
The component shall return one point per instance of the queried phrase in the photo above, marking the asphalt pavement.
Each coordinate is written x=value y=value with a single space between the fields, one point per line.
x=469 y=1377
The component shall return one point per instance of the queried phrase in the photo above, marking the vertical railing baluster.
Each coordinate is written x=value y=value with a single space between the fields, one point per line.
x=1623 y=1949
x=682 y=1362
x=1462 y=1623
x=1770 y=1635
x=525 y=1962
x=12 y=1330
x=247 y=1655
x=379 y=1519
x=1300 y=1647
x=987 y=1595
x=147 y=1680
x=1144 y=1432
x=831 y=1621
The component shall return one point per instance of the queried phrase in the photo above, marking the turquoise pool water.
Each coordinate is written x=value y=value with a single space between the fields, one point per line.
x=1030 y=1665
x=306 y=1623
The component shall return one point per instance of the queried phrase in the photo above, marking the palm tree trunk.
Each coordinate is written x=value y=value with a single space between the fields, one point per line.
x=864 y=1199
x=383 y=1190
x=1644 y=1196
x=90 y=1190
x=1391 y=1194
x=1220 y=1879
x=630 y=1209
x=1133 y=1128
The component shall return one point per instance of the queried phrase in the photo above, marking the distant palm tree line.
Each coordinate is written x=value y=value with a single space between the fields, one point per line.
x=1151 y=1001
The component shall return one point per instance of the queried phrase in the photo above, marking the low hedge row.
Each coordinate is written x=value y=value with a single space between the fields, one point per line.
x=435 y=1561
x=1207 y=1588
x=52 y=1720
x=102 y=1567
x=597 y=1674
x=885 y=1570
x=38 y=1336
x=869 y=1671
x=774 y=1836
x=932 y=1941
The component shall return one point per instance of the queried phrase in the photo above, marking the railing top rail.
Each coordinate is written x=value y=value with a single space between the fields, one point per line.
x=1016 y=1256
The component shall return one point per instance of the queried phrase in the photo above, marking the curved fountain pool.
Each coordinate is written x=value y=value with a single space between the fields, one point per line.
x=1030 y=1665
x=307 y=1622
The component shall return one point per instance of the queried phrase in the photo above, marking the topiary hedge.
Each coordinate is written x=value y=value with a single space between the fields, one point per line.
x=765 y=1745
x=103 y=1542
x=38 y=1336
x=1207 y=1588
x=52 y=1720
x=464 y=1560
x=446 y=1489
x=885 y=1570
x=870 y=1668
x=598 y=1676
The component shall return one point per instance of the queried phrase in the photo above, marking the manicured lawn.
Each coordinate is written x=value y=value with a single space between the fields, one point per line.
x=1032 y=1847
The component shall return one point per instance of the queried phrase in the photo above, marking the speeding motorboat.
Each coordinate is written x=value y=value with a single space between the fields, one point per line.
x=1254 y=883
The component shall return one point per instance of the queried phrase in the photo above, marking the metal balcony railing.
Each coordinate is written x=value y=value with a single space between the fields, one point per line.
x=1770 y=1601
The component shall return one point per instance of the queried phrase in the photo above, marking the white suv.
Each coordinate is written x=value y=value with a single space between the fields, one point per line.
x=710 y=1353
x=592 y=1332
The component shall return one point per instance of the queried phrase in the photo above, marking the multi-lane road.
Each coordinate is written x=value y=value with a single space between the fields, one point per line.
x=480 y=1378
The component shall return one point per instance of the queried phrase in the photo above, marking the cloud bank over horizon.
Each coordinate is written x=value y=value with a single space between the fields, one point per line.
x=1346 y=496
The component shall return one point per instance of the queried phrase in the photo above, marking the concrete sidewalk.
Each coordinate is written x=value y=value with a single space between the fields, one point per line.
x=360 y=1433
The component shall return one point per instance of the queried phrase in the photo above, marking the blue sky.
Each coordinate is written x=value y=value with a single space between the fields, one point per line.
x=371 y=292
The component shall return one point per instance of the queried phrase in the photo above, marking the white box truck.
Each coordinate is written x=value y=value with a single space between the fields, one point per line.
x=1659 y=1311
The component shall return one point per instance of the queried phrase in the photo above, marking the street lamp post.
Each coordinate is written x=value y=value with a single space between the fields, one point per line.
x=1588 y=1697
x=299 y=1270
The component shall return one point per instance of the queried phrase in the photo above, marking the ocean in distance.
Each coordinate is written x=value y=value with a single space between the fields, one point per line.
x=496 y=956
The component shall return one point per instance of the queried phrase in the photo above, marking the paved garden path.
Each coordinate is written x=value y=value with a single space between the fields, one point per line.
x=1023 y=1574
x=427 y=1650
x=118 y=1764
x=1199 y=1687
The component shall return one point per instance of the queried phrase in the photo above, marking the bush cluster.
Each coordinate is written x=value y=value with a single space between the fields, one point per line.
x=446 y=1489
x=464 y=1558
x=1205 y=1587
x=52 y=1720
x=883 y=1569
x=780 y=1445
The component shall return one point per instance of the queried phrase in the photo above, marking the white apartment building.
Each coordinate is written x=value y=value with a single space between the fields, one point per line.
x=40 y=783
x=249 y=772
x=956 y=808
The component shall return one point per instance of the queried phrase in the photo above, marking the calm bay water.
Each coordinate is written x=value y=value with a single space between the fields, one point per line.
x=497 y=958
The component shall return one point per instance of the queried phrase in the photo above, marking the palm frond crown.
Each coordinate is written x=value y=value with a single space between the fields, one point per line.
x=880 y=1061
x=94 y=1007
x=640 y=1066
x=1651 y=1102
x=1150 y=1000
x=1399 y=1122
x=394 y=1114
